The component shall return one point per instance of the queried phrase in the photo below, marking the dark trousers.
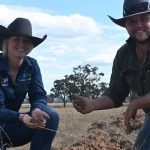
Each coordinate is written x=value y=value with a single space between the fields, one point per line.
x=17 y=134
x=143 y=139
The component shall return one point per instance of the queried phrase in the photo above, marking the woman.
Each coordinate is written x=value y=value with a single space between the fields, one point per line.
x=20 y=75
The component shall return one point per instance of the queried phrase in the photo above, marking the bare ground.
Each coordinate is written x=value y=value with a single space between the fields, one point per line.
x=108 y=135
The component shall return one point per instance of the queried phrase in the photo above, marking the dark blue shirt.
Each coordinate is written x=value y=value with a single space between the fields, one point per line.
x=12 y=95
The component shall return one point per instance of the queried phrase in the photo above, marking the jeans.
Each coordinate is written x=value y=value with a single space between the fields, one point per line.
x=18 y=134
x=143 y=139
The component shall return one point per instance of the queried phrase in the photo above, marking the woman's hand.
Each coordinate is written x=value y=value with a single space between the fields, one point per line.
x=39 y=118
x=26 y=119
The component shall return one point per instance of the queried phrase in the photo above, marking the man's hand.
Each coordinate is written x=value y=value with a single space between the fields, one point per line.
x=129 y=115
x=82 y=104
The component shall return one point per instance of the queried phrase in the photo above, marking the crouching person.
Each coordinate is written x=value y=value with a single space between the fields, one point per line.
x=20 y=75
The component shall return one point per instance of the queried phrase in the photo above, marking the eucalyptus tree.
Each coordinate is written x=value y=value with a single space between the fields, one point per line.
x=85 y=81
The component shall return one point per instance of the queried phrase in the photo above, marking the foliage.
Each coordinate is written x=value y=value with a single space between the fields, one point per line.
x=84 y=81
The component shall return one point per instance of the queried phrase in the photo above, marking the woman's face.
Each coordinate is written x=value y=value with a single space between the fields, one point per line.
x=19 y=46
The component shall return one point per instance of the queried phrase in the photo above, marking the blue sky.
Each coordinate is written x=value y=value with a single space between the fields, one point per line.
x=79 y=32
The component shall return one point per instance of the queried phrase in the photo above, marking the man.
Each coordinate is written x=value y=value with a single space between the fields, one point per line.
x=130 y=71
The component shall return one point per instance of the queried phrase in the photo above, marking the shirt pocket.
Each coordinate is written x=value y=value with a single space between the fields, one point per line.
x=23 y=82
x=132 y=78
x=22 y=86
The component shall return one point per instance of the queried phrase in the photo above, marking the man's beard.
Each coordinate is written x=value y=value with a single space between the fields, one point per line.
x=144 y=41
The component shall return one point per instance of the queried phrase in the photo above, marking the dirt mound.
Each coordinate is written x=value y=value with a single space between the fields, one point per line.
x=108 y=135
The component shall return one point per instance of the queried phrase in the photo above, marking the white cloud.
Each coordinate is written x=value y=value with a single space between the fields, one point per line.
x=72 y=40
x=106 y=58
x=46 y=59
x=54 y=25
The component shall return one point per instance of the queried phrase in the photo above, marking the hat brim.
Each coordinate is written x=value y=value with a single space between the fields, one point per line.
x=121 y=21
x=5 y=33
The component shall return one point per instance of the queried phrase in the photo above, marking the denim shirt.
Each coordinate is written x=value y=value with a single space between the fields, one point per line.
x=12 y=95
x=128 y=75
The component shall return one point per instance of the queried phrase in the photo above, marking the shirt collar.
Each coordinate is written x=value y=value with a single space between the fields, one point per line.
x=131 y=42
x=4 y=63
x=27 y=61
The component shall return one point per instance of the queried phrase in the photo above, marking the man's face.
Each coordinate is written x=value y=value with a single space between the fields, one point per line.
x=138 y=27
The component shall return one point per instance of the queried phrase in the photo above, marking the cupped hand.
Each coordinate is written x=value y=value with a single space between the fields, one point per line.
x=129 y=115
x=82 y=104
x=39 y=118
x=26 y=119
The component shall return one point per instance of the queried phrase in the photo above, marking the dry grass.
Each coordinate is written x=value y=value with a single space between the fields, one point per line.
x=73 y=125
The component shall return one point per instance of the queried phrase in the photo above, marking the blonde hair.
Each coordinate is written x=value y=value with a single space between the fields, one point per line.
x=4 y=47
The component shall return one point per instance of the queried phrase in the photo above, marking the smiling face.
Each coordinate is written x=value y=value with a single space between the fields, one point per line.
x=138 y=27
x=18 y=46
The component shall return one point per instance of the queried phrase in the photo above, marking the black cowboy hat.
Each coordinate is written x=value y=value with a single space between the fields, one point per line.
x=132 y=8
x=20 y=27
